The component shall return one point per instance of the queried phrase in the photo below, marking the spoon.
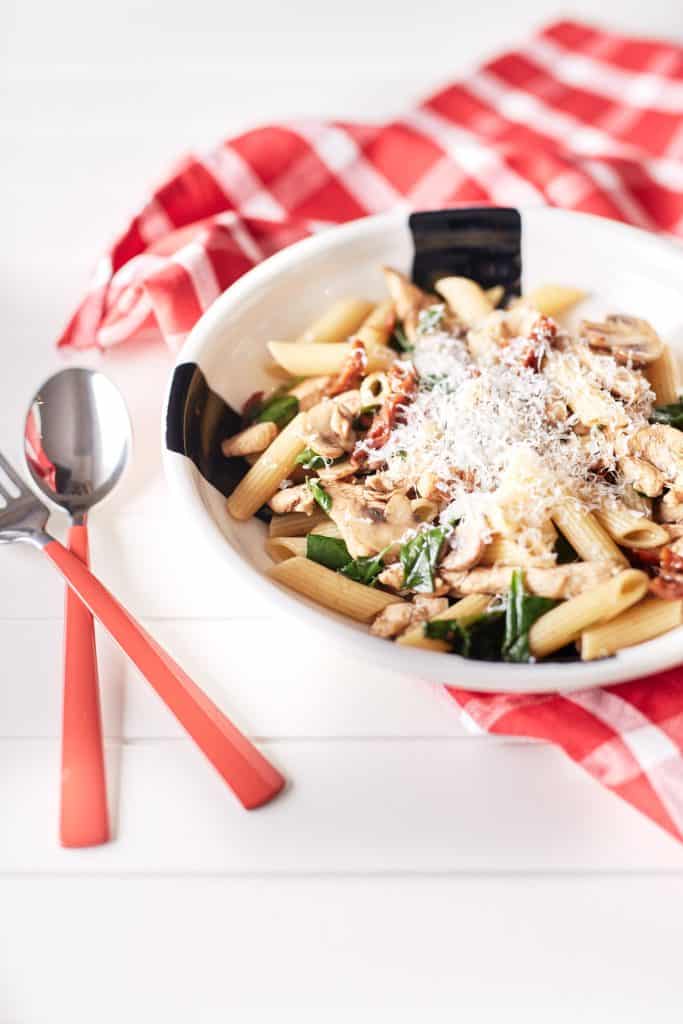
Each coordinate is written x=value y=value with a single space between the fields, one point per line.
x=77 y=440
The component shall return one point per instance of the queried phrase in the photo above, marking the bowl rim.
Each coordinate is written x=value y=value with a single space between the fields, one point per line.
x=182 y=477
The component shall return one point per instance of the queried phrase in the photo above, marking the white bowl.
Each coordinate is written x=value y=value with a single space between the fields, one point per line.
x=623 y=269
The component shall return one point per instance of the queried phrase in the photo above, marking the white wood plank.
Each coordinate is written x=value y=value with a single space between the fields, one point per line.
x=401 y=806
x=207 y=951
x=244 y=665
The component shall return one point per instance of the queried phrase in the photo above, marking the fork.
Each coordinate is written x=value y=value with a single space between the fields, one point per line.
x=252 y=778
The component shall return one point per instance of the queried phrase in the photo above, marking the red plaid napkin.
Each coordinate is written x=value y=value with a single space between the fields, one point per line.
x=576 y=118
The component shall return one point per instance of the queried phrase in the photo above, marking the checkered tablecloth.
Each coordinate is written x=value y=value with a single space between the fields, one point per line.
x=578 y=118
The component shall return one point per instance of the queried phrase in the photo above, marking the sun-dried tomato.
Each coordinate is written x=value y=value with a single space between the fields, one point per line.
x=251 y=406
x=402 y=382
x=352 y=372
x=669 y=588
x=671 y=561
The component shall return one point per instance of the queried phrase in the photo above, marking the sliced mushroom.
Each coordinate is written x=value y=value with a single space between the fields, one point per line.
x=407 y=615
x=560 y=583
x=627 y=338
x=293 y=499
x=328 y=426
x=337 y=471
x=369 y=523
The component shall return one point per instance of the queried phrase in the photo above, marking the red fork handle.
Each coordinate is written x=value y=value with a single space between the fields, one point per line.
x=250 y=776
x=83 y=818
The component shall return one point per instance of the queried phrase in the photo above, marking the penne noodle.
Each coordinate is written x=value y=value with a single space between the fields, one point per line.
x=644 y=621
x=464 y=611
x=553 y=299
x=296 y=524
x=664 y=377
x=633 y=531
x=311 y=360
x=331 y=589
x=252 y=441
x=280 y=548
x=495 y=295
x=593 y=406
x=465 y=298
x=377 y=328
x=564 y=624
x=338 y=322
x=586 y=535
x=266 y=475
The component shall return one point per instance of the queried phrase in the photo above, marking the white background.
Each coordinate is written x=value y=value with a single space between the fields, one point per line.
x=412 y=872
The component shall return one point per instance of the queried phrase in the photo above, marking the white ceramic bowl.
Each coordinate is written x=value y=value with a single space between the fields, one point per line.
x=623 y=269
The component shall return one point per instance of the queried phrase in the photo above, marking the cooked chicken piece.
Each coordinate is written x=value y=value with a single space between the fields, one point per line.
x=392 y=576
x=627 y=338
x=293 y=499
x=310 y=392
x=669 y=509
x=562 y=582
x=409 y=300
x=367 y=522
x=328 y=426
x=642 y=476
x=636 y=502
x=396 y=618
x=432 y=487
x=251 y=441
x=662 y=447
x=623 y=382
x=467 y=546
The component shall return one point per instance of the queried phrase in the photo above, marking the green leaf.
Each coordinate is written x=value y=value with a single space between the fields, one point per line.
x=671 y=415
x=522 y=611
x=328 y=551
x=310 y=459
x=365 y=569
x=481 y=640
x=279 y=409
x=430 y=318
x=320 y=494
x=399 y=341
x=419 y=557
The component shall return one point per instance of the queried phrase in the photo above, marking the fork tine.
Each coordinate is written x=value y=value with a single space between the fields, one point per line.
x=12 y=475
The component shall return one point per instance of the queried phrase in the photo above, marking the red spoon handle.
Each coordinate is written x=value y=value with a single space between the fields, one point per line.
x=251 y=777
x=84 y=819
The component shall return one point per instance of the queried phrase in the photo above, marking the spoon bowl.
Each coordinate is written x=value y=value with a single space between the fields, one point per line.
x=77 y=439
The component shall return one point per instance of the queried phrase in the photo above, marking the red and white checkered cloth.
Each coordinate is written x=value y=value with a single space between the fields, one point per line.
x=577 y=118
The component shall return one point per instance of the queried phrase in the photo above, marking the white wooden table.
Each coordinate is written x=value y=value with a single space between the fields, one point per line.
x=412 y=871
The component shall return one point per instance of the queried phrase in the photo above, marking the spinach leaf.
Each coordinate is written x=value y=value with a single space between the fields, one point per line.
x=309 y=459
x=320 y=494
x=522 y=611
x=279 y=409
x=399 y=341
x=564 y=551
x=481 y=640
x=365 y=569
x=672 y=415
x=328 y=551
x=419 y=557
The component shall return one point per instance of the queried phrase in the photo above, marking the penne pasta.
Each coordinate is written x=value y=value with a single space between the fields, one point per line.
x=465 y=298
x=664 y=377
x=376 y=329
x=643 y=621
x=332 y=590
x=495 y=295
x=593 y=406
x=553 y=299
x=465 y=611
x=633 y=531
x=280 y=548
x=311 y=360
x=586 y=535
x=337 y=323
x=296 y=524
x=501 y=551
x=252 y=441
x=565 y=623
x=266 y=475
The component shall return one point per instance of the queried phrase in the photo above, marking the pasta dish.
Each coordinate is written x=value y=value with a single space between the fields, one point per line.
x=470 y=476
